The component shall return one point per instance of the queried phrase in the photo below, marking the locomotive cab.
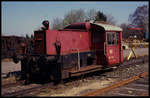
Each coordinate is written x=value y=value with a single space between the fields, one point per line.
x=106 y=41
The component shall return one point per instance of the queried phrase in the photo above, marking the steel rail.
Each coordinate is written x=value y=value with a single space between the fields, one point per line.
x=27 y=91
x=12 y=84
x=121 y=83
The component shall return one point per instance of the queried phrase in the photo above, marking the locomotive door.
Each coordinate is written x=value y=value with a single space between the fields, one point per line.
x=97 y=41
x=112 y=48
x=39 y=37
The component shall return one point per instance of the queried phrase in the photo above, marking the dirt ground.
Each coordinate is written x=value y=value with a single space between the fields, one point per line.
x=81 y=89
x=86 y=86
x=8 y=67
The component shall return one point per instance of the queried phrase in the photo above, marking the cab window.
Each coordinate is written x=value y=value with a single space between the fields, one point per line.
x=117 y=38
x=110 y=38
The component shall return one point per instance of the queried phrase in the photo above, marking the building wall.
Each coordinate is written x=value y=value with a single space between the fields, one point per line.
x=11 y=45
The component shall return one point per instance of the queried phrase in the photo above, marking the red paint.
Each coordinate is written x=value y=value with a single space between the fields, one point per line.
x=39 y=42
x=114 y=52
x=85 y=37
x=68 y=40
x=121 y=49
x=135 y=28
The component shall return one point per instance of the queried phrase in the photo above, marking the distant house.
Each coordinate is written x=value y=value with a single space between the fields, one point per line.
x=11 y=45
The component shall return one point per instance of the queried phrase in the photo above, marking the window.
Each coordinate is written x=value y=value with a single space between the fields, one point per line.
x=117 y=38
x=110 y=38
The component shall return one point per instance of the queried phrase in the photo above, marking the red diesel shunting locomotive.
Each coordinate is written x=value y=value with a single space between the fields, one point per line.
x=77 y=49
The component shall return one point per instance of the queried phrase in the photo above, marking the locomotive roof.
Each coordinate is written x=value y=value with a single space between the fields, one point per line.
x=108 y=27
x=81 y=25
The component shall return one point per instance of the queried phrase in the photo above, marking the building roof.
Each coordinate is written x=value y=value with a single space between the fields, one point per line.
x=108 y=27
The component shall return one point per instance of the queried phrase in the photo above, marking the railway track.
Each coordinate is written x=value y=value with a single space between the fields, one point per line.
x=25 y=92
x=37 y=89
x=134 y=86
x=13 y=84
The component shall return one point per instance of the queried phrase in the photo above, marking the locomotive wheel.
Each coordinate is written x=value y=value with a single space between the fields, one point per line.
x=56 y=73
x=43 y=69
x=28 y=69
x=15 y=59
x=27 y=81
x=24 y=64
x=34 y=72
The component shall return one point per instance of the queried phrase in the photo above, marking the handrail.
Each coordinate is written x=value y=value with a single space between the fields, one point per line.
x=78 y=57
x=104 y=48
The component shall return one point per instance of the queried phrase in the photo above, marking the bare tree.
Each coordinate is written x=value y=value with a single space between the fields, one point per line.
x=140 y=18
x=79 y=15
x=110 y=19
x=100 y=16
x=27 y=36
x=74 y=16
x=125 y=32
x=57 y=23
x=91 y=14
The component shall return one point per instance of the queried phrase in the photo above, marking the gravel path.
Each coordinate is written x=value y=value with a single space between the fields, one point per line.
x=81 y=87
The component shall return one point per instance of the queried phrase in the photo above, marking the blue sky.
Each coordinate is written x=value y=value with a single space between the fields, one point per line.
x=21 y=18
